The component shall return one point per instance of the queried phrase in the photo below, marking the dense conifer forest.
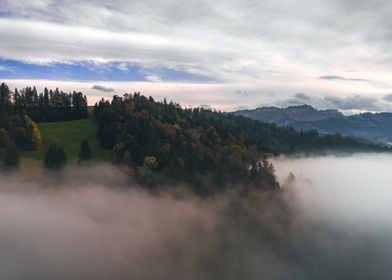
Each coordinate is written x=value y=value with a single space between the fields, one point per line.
x=194 y=145
x=161 y=141
x=51 y=105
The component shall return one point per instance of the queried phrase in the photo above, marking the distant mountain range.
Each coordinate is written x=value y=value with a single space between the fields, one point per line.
x=375 y=126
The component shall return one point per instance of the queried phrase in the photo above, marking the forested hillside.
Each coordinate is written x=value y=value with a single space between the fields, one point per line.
x=373 y=126
x=157 y=141
x=192 y=144
x=19 y=110
x=17 y=130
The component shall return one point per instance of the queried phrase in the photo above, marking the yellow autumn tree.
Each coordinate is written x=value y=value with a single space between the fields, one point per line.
x=150 y=162
x=34 y=134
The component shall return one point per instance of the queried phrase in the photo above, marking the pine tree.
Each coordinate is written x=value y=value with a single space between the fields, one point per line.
x=55 y=158
x=5 y=98
x=11 y=158
x=85 y=152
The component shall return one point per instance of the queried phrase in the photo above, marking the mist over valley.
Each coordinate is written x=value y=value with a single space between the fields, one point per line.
x=330 y=222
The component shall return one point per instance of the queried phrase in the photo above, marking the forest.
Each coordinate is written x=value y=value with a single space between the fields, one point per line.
x=21 y=110
x=201 y=147
x=160 y=141
x=51 y=105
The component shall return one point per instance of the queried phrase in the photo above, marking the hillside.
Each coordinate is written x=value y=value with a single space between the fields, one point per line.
x=193 y=145
x=161 y=141
x=376 y=126
x=69 y=134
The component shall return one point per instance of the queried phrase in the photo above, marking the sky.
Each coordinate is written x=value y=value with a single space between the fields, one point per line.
x=227 y=55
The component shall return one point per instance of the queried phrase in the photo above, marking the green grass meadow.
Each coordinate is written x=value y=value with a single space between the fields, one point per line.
x=69 y=135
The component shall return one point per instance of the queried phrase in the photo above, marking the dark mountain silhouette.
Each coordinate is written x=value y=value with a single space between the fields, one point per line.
x=375 y=126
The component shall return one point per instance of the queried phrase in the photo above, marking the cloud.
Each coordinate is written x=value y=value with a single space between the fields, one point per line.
x=297 y=100
x=278 y=46
x=167 y=34
x=4 y=68
x=151 y=77
x=123 y=66
x=302 y=96
x=102 y=46
x=331 y=78
x=388 y=97
x=241 y=92
x=206 y=107
x=192 y=94
x=240 y=108
x=350 y=104
x=102 y=88
x=222 y=97
x=353 y=102
x=93 y=223
x=340 y=78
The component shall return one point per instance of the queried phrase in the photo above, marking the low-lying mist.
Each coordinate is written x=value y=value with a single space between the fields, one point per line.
x=332 y=222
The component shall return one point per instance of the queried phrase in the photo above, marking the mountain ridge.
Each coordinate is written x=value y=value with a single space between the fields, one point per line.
x=375 y=126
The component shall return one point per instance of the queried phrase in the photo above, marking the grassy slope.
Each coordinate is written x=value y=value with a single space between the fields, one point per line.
x=69 y=134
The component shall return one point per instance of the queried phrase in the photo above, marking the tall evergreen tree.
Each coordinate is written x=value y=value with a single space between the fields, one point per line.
x=5 y=98
x=55 y=158
x=11 y=158
x=85 y=152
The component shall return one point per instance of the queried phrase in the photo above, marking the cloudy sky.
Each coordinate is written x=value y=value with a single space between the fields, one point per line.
x=226 y=54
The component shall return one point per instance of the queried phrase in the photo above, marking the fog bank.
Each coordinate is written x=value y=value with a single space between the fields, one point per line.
x=94 y=223
x=351 y=188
